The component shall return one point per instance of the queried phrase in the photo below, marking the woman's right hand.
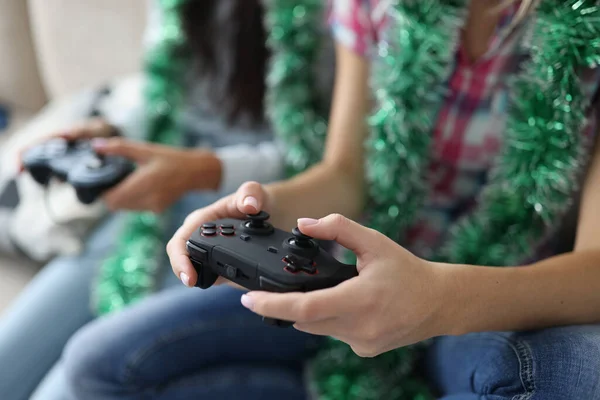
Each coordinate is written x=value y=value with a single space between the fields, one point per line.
x=250 y=198
x=90 y=129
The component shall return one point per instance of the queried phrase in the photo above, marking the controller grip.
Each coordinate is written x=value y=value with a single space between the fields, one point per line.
x=277 y=322
x=206 y=277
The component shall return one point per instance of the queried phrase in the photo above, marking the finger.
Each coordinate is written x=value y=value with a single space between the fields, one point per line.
x=342 y=230
x=250 y=198
x=302 y=307
x=334 y=327
x=177 y=246
x=226 y=207
x=134 y=151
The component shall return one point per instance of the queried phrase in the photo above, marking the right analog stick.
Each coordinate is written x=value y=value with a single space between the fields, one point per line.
x=302 y=240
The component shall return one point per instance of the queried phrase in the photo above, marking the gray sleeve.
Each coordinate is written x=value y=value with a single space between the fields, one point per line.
x=245 y=162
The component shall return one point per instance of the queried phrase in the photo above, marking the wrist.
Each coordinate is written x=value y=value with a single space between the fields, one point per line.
x=205 y=170
x=481 y=299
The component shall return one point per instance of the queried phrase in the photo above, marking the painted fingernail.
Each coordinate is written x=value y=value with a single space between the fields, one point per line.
x=307 y=221
x=251 y=201
x=247 y=302
x=185 y=279
x=99 y=143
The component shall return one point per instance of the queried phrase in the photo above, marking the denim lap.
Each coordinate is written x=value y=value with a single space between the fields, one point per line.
x=177 y=334
x=558 y=363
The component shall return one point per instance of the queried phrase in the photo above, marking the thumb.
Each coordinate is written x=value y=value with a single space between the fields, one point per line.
x=134 y=151
x=342 y=230
x=250 y=198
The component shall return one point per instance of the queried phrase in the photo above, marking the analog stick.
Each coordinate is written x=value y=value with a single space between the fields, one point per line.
x=301 y=240
x=257 y=224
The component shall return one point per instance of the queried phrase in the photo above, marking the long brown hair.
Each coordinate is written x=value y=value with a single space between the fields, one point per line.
x=232 y=32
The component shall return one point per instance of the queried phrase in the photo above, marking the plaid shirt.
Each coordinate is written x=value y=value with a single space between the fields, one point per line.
x=468 y=133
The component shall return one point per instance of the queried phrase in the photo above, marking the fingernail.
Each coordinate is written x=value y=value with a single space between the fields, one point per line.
x=308 y=221
x=185 y=279
x=251 y=201
x=247 y=302
x=99 y=143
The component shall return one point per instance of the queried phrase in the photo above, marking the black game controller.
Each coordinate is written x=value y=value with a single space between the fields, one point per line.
x=255 y=255
x=77 y=163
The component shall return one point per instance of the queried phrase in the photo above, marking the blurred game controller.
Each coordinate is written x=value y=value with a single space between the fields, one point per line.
x=76 y=163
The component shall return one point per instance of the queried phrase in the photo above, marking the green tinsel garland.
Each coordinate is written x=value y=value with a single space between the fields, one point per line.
x=131 y=273
x=294 y=37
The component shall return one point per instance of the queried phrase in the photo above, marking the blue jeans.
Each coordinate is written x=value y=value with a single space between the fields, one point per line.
x=54 y=306
x=190 y=344
x=553 y=364
x=196 y=344
x=36 y=327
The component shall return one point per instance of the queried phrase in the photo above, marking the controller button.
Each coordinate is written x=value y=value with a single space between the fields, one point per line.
x=309 y=269
x=94 y=163
x=226 y=226
x=209 y=225
x=209 y=232
x=245 y=238
x=273 y=250
x=227 y=232
x=272 y=286
x=231 y=272
x=292 y=269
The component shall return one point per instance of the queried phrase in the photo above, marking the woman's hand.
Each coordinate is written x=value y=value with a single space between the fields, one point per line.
x=163 y=174
x=250 y=198
x=395 y=301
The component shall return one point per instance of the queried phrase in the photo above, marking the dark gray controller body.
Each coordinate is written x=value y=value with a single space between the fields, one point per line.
x=257 y=256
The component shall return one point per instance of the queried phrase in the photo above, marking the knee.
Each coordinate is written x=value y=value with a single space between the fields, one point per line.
x=566 y=361
x=87 y=365
x=486 y=364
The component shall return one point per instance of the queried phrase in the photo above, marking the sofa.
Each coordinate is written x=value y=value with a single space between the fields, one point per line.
x=50 y=50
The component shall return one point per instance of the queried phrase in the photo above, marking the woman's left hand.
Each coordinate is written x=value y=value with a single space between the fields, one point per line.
x=396 y=300
x=163 y=174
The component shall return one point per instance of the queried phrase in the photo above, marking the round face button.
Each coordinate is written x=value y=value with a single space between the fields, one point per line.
x=226 y=226
x=209 y=225
x=94 y=163
x=227 y=232
x=209 y=232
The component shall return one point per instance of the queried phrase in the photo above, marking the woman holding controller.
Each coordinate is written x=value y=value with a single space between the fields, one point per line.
x=482 y=132
x=219 y=119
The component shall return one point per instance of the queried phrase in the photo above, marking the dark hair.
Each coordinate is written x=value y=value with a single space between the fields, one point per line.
x=229 y=31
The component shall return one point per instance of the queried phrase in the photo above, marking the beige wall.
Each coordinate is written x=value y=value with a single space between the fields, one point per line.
x=19 y=79
x=50 y=48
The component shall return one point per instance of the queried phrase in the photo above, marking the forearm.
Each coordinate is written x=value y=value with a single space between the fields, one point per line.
x=563 y=290
x=323 y=190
